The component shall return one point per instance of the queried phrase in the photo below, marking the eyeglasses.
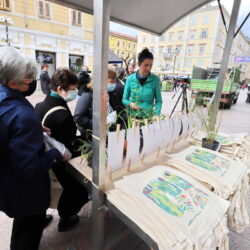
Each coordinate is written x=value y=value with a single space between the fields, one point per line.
x=28 y=82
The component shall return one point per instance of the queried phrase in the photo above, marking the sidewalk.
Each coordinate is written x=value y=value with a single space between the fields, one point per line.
x=235 y=120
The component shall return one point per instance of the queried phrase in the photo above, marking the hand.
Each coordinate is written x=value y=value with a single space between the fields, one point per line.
x=156 y=118
x=45 y=129
x=66 y=154
x=134 y=106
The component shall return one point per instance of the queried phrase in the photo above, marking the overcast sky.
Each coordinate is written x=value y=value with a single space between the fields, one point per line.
x=244 y=9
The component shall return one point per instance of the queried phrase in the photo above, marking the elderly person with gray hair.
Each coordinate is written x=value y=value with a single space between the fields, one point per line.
x=24 y=164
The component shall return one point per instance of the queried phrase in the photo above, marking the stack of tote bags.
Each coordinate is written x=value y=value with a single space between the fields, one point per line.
x=176 y=211
x=228 y=177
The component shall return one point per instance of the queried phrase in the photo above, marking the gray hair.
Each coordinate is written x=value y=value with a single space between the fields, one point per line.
x=120 y=72
x=15 y=66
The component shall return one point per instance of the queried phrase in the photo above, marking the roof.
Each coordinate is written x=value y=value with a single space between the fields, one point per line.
x=134 y=38
x=114 y=58
x=147 y=15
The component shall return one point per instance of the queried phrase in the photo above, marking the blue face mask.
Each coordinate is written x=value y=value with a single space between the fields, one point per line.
x=72 y=94
x=111 y=87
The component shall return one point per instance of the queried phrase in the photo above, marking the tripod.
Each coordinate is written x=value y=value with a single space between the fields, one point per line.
x=183 y=94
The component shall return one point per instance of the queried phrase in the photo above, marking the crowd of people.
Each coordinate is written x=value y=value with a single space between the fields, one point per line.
x=24 y=161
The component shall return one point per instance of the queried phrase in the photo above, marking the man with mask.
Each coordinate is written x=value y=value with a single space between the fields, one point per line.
x=56 y=115
x=24 y=164
x=45 y=79
x=115 y=94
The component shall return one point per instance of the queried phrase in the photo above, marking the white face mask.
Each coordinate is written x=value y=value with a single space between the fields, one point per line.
x=72 y=94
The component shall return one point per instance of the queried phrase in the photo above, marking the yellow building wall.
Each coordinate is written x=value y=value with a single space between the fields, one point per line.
x=195 y=57
x=123 y=46
x=31 y=7
x=89 y=35
x=59 y=24
x=88 y=21
x=90 y=62
x=61 y=14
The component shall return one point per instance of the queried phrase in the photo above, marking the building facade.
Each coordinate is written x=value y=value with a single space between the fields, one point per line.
x=196 y=40
x=123 y=45
x=50 y=33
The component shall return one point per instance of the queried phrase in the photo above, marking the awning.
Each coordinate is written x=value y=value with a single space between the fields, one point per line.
x=152 y=16
x=114 y=58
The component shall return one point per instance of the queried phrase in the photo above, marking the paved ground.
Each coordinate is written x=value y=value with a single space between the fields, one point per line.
x=235 y=120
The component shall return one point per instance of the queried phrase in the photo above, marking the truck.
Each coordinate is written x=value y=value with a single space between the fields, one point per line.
x=204 y=83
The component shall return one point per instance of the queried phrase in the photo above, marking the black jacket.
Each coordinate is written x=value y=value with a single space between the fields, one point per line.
x=115 y=101
x=45 y=81
x=24 y=165
x=60 y=122
x=83 y=112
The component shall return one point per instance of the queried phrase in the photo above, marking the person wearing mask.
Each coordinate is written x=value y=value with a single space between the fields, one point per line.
x=115 y=93
x=131 y=71
x=142 y=94
x=45 y=79
x=55 y=114
x=83 y=110
x=24 y=164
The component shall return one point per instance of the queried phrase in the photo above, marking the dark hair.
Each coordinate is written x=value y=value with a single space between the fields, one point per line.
x=44 y=65
x=84 y=79
x=63 y=77
x=145 y=54
x=120 y=73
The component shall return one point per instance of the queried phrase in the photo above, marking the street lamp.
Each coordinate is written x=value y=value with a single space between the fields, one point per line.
x=6 y=21
x=174 y=54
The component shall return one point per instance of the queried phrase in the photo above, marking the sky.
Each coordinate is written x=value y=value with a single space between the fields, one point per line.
x=244 y=9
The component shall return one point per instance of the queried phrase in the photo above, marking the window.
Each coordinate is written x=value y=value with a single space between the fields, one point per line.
x=43 y=57
x=190 y=49
x=153 y=39
x=205 y=19
x=193 y=20
x=199 y=63
x=201 y=49
x=192 y=35
x=129 y=45
x=170 y=36
x=75 y=63
x=123 y=44
x=181 y=23
x=134 y=46
x=159 y=63
x=44 y=9
x=160 y=50
x=144 y=39
x=169 y=50
x=118 y=43
x=204 y=34
x=162 y=39
x=76 y=18
x=178 y=49
x=180 y=35
x=188 y=63
x=5 y=5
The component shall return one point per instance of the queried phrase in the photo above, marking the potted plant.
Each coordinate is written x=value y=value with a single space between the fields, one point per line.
x=209 y=141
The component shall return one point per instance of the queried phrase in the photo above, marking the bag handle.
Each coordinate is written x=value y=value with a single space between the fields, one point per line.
x=51 y=111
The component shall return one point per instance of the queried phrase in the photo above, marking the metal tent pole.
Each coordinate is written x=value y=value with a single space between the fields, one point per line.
x=101 y=34
x=224 y=64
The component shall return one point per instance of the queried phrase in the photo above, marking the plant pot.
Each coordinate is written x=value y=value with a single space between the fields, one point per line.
x=210 y=144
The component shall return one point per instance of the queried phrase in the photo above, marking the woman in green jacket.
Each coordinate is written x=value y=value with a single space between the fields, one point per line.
x=142 y=92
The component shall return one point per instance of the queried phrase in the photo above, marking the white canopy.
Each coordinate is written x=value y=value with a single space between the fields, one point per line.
x=154 y=16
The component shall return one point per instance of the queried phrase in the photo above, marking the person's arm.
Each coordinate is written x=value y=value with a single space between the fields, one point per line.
x=26 y=148
x=126 y=94
x=158 y=98
x=81 y=117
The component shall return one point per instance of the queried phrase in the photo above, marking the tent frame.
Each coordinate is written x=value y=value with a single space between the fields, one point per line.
x=101 y=20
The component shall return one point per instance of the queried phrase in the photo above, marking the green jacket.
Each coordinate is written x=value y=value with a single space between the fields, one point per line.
x=148 y=96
